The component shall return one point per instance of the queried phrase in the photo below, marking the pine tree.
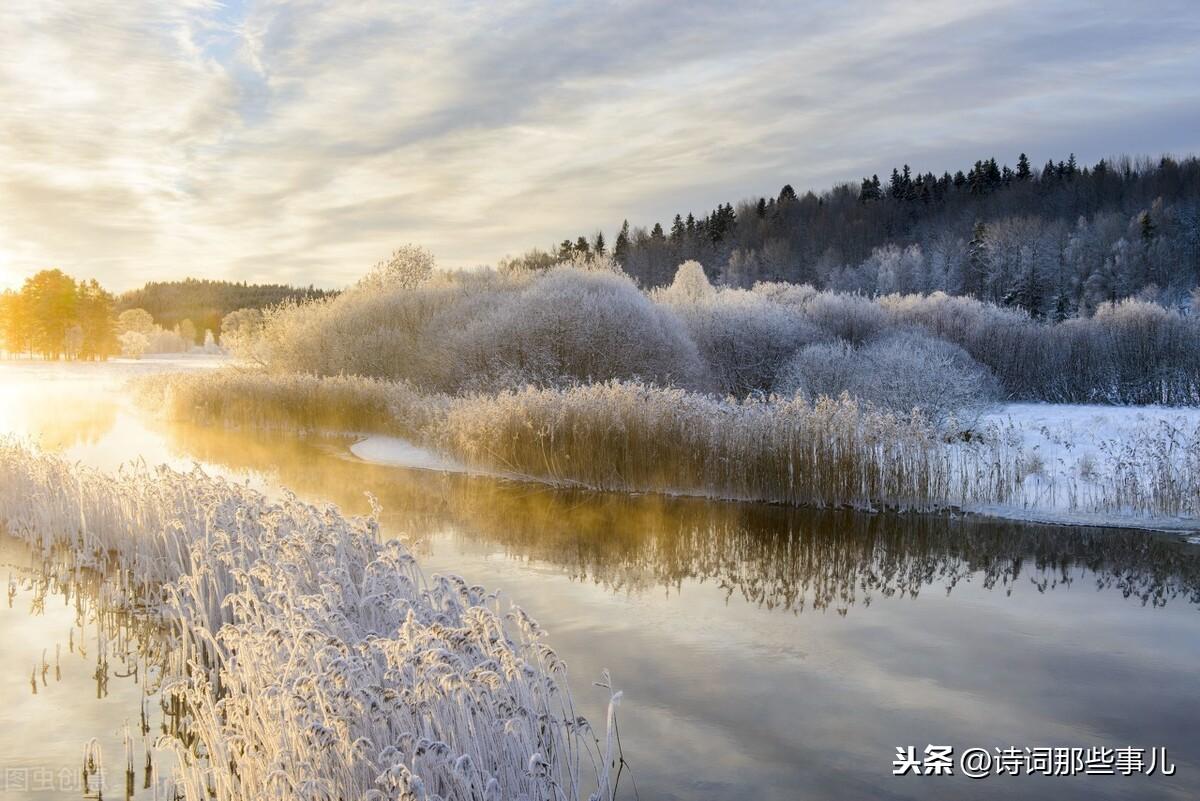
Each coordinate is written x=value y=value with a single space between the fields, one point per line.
x=1023 y=171
x=621 y=246
x=598 y=246
x=787 y=194
x=677 y=230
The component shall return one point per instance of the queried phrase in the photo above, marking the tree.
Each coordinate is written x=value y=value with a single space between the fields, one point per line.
x=1023 y=171
x=134 y=344
x=138 y=320
x=621 y=246
x=52 y=298
x=977 y=268
x=598 y=246
x=16 y=325
x=96 y=321
x=409 y=266
x=187 y=331
x=238 y=329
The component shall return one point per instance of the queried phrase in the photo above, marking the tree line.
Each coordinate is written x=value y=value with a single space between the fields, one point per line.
x=206 y=303
x=54 y=316
x=1056 y=241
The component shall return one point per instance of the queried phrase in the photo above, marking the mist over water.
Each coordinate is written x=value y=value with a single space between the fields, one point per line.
x=764 y=651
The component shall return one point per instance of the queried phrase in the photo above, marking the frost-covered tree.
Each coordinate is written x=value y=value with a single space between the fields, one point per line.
x=409 y=266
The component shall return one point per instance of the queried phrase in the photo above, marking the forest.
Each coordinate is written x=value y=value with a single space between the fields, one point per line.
x=206 y=302
x=1056 y=241
x=55 y=316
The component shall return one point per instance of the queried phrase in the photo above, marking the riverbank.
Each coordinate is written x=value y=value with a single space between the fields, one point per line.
x=1092 y=465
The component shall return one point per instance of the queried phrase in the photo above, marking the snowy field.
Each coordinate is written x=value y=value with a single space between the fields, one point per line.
x=1075 y=454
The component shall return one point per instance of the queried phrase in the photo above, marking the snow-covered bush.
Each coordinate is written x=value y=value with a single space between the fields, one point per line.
x=903 y=371
x=587 y=321
x=854 y=318
x=572 y=325
x=484 y=330
x=744 y=337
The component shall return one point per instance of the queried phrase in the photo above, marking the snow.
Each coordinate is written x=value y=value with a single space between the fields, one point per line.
x=396 y=452
x=1076 y=451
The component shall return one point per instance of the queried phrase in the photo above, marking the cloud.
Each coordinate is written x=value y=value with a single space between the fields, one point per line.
x=301 y=141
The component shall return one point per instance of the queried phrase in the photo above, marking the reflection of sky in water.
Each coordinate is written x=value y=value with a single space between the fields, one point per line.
x=42 y=735
x=778 y=652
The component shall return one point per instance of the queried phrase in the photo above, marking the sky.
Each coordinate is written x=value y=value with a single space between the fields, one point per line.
x=302 y=141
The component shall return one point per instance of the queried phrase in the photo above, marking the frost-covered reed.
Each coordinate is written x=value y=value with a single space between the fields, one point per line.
x=630 y=436
x=627 y=436
x=310 y=658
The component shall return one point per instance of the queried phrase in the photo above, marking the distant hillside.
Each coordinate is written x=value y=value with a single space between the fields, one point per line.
x=205 y=303
x=1055 y=241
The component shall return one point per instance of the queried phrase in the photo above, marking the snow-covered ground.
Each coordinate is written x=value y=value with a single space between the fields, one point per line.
x=1080 y=456
x=395 y=452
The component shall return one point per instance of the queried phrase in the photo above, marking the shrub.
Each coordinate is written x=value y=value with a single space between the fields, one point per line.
x=901 y=372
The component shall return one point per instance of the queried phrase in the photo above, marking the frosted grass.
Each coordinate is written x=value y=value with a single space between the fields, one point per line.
x=634 y=437
x=310 y=658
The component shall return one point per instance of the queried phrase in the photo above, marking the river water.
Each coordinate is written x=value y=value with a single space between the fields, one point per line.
x=764 y=652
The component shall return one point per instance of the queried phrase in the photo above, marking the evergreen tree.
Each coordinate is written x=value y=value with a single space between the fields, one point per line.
x=621 y=246
x=677 y=230
x=1023 y=171
x=599 y=247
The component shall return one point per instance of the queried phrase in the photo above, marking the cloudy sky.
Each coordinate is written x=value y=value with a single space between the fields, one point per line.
x=301 y=141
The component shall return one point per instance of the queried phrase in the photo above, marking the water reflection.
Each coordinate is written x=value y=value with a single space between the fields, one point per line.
x=95 y=673
x=772 y=557
x=69 y=417
x=721 y=621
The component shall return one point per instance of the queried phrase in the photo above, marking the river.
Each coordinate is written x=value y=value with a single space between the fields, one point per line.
x=764 y=652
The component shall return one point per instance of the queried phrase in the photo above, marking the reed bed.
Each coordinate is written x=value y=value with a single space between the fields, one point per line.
x=632 y=437
x=310 y=658
x=635 y=437
x=293 y=402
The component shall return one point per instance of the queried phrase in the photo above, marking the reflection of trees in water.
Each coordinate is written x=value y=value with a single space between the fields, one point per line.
x=775 y=557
